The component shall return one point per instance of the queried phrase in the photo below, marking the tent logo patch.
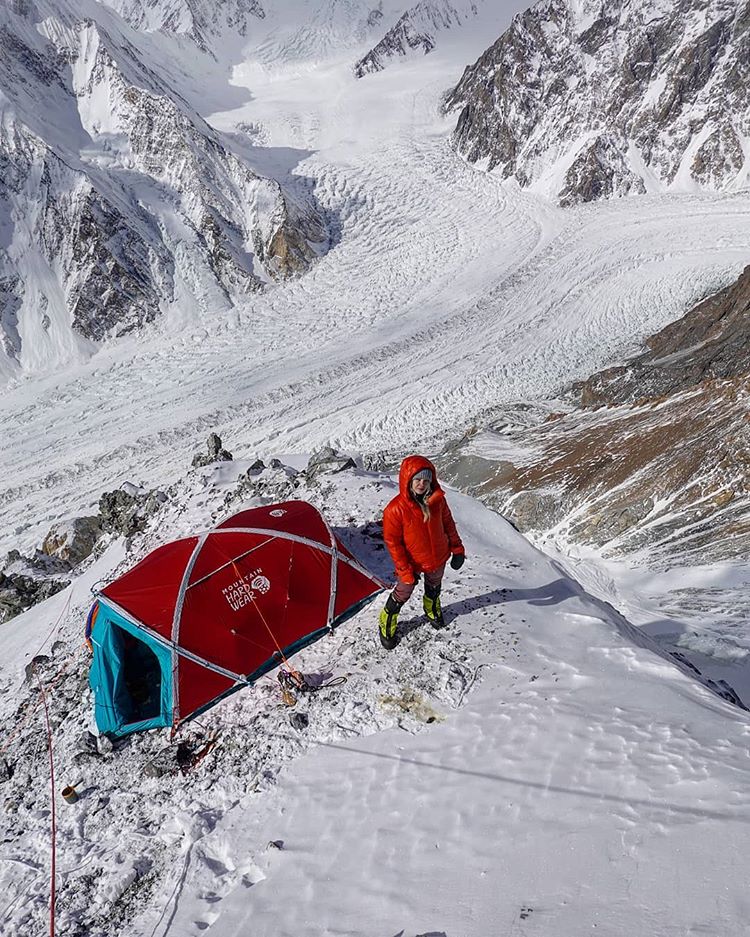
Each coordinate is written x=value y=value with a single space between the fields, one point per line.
x=244 y=590
x=261 y=584
x=277 y=513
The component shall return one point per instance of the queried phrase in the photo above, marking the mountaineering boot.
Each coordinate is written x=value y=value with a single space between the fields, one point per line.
x=389 y=623
x=431 y=604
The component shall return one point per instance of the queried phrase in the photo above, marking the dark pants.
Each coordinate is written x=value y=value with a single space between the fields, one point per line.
x=402 y=592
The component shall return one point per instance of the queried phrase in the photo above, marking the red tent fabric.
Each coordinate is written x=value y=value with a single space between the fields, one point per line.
x=232 y=602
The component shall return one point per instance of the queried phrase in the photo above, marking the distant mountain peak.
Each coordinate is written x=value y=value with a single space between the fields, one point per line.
x=416 y=31
x=583 y=100
x=198 y=20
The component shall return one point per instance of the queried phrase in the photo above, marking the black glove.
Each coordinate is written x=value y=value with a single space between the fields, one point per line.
x=457 y=560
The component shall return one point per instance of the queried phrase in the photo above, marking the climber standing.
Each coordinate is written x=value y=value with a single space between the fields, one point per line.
x=420 y=533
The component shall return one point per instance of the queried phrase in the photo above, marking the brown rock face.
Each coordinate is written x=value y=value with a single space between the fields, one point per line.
x=289 y=252
x=297 y=239
x=711 y=342
x=656 y=457
x=670 y=475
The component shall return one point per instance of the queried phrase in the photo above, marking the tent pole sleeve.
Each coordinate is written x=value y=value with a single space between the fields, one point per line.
x=176 y=622
x=334 y=574
x=306 y=540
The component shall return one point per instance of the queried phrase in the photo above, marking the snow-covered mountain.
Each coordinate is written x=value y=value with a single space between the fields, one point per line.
x=117 y=199
x=582 y=99
x=415 y=30
x=201 y=21
x=276 y=31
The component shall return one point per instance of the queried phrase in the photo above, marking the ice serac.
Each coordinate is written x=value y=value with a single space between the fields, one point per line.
x=117 y=199
x=584 y=100
x=416 y=30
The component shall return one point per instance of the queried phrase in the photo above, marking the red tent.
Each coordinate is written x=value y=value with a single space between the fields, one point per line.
x=200 y=617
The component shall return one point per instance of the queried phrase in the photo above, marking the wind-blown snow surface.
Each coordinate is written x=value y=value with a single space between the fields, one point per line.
x=528 y=770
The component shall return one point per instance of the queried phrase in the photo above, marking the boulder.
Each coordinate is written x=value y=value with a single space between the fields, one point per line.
x=19 y=592
x=127 y=513
x=533 y=510
x=73 y=541
x=327 y=461
x=216 y=453
x=299 y=721
x=34 y=665
x=277 y=482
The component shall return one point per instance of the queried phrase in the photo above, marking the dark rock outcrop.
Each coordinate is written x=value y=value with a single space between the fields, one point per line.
x=28 y=580
x=711 y=342
x=275 y=482
x=127 y=510
x=327 y=461
x=216 y=453
x=19 y=592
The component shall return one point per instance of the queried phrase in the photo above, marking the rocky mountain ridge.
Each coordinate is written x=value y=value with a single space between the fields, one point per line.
x=586 y=100
x=711 y=342
x=653 y=455
x=416 y=30
x=197 y=20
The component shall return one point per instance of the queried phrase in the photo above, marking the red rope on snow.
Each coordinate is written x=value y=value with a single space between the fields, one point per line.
x=53 y=871
x=31 y=711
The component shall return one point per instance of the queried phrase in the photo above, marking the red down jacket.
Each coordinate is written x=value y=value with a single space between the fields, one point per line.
x=417 y=545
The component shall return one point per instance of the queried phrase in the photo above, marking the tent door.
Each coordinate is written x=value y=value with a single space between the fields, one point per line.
x=140 y=691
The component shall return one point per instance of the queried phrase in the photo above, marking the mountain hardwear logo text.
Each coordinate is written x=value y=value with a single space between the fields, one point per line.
x=245 y=590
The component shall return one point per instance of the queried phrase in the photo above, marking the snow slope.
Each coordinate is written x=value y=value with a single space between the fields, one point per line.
x=529 y=770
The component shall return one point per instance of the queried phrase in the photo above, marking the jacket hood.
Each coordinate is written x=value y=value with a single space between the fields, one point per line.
x=409 y=468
